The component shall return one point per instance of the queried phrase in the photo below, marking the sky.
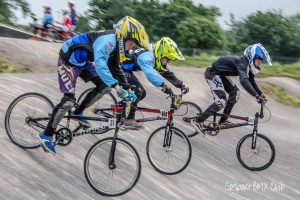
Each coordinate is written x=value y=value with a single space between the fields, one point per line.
x=240 y=8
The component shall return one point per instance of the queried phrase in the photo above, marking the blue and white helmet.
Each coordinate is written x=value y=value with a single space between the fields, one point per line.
x=256 y=51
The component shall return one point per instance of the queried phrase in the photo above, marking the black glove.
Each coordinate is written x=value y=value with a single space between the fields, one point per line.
x=166 y=89
x=184 y=89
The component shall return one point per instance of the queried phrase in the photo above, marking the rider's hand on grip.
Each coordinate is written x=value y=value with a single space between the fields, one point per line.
x=184 y=89
x=264 y=97
x=131 y=96
x=121 y=92
x=260 y=99
x=166 y=89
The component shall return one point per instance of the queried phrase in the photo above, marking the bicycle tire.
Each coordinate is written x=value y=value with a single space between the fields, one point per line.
x=189 y=129
x=251 y=168
x=154 y=162
x=87 y=161
x=12 y=134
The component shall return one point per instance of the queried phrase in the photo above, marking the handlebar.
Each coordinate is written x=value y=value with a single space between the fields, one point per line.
x=262 y=104
x=176 y=98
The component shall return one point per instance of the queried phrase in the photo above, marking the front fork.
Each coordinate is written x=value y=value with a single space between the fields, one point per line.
x=168 y=134
x=111 y=158
x=254 y=133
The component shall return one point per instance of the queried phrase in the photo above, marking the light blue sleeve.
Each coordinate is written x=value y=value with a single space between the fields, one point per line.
x=103 y=47
x=146 y=62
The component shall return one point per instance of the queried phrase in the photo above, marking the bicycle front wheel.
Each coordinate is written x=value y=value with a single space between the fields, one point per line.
x=186 y=109
x=25 y=117
x=106 y=180
x=169 y=150
x=255 y=159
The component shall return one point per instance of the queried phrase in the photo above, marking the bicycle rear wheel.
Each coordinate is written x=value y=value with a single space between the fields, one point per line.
x=117 y=181
x=21 y=115
x=171 y=158
x=259 y=158
x=187 y=109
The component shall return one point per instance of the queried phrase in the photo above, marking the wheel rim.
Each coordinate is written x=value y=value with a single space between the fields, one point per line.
x=186 y=110
x=169 y=160
x=18 y=123
x=101 y=178
x=257 y=158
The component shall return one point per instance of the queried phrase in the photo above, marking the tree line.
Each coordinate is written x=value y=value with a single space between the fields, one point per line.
x=190 y=25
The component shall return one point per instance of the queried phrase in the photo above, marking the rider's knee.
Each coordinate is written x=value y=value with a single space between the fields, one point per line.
x=234 y=96
x=67 y=102
x=220 y=103
x=140 y=92
x=143 y=94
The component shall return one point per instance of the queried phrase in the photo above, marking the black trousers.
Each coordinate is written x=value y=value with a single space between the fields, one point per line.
x=138 y=89
x=220 y=85
x=67 y=102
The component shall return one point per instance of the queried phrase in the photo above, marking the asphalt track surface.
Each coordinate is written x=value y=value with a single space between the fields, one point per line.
x=214 y=171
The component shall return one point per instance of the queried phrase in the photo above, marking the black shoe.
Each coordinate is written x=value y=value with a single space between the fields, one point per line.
x=226 y=122
x=197 y=125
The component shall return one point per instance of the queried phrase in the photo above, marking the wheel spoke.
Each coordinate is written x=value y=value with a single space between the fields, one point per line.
x=27 y=105
x=115 y=181
x=171 y=159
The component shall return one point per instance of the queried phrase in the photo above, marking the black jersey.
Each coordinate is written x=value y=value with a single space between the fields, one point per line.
x=237 y=66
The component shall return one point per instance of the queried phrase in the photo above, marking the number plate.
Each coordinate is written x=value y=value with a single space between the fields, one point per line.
x=163 y=114
x=112 y=123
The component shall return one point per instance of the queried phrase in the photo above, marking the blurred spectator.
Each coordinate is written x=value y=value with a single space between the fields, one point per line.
x=66 y=21
x=73 y=15
x=48 y=18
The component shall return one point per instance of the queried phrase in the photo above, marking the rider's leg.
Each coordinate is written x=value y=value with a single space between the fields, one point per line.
x=67 y=80
x=233 y=97
x=140 y=92
x=215 y=83
x=94 y=95
x=66 y=104
x=89 y=74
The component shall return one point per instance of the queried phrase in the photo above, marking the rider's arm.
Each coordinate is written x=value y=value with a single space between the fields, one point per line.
x=244 y=79
x=253 y=83
x=146 y=62
x=170 y=76
x=118 y=73
x=103 y=47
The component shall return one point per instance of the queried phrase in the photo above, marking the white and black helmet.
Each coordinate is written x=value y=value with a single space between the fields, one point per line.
x=256 y=51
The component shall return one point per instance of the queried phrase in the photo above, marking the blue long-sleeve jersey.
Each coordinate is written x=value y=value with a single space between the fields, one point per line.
x=98 y=47
x=144 y=60
x=47 y=20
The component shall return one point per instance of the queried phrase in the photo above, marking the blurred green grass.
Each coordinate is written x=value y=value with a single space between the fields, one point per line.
x=291 y=70
x=280 y=95
x=6 y=66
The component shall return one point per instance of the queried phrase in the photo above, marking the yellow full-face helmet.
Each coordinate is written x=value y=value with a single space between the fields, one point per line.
x=129 y=28
x=166 y=48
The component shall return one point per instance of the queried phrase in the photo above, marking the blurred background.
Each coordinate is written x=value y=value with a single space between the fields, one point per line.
x=203 y=29
x=200 y=25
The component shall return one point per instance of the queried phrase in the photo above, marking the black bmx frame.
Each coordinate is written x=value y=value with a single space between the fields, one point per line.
x=247 y=121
